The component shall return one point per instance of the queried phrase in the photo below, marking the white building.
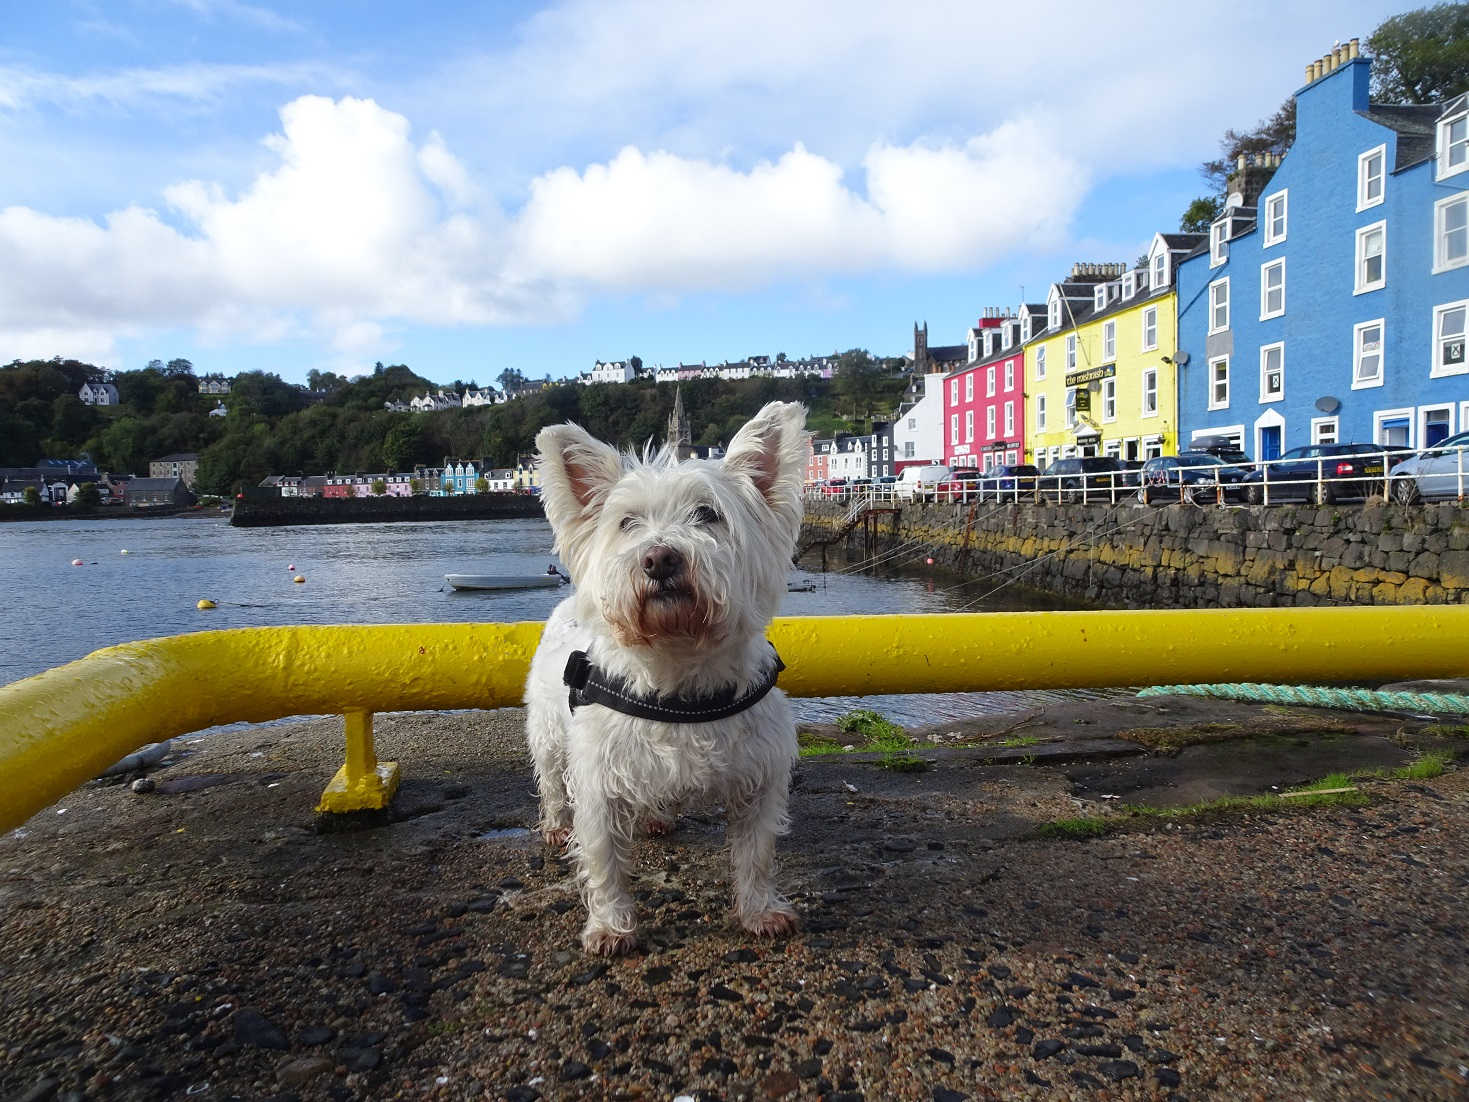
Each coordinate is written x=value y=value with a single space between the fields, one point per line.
x=98 y=394
x=613 y=371
x=918 y=431
x=485 y=397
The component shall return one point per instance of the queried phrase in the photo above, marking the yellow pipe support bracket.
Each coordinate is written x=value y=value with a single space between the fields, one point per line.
x=65 y=726
x=363 y=783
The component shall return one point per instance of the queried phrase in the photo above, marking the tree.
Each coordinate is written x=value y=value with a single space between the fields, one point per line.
x=31 y=496
x=1200 y=214
x=379 y=487
x=636 y=363
x=1272 y=135
x=858 y=380
x=88 y=496
x=178 y=367
x=511 y=379
x=1421 y=56
x=481 y=485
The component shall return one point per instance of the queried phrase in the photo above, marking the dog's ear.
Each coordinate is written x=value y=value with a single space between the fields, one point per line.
x=577 y=470
x=772 y=450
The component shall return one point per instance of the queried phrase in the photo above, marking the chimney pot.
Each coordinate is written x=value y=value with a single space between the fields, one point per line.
x=1354 y=48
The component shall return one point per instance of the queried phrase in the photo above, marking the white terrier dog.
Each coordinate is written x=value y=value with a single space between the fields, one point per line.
x=652 y=684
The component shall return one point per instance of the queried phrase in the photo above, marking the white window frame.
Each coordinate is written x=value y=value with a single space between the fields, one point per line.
x=989 y=422
x=1443 y=150
x=1109 y=399
x=1381 y=416
x=953 y=428
x=1109 y=341
x=1040 y=413
x=1267 y=396
x=1435 y=368
x=1053 y=314
x=1150 y=329
x=1219 y=287
x=1070 y=351
x=1149 y=387
x=1440 y=236
x=1365 y=177
x=1213 y=380
x=953 y=392
x=1009 y=375
x=1099 y=296
x=969 y=386
x=1435 y=407
x=1129 y=285
x=1281 y=197
x=1009 y=419
x=1359 y=285
x=1071 y=418
x=968 y=425
x=1266 y=269
x=1025 y=329
x=1218 y=242
x=1158 y=271
x=1357 y=330
x=1325 y=430
x=1152 y=447
x=989 y=382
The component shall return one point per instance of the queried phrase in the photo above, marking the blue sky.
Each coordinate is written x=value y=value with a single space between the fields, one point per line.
x=470 y=188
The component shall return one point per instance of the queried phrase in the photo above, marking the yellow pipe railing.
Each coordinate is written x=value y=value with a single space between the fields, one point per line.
x=66 y=725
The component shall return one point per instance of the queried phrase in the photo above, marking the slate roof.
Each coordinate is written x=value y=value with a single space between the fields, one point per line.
x=1414 y=125
x=948 y=353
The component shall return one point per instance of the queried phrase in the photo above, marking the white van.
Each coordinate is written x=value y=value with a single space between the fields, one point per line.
x=918 y=483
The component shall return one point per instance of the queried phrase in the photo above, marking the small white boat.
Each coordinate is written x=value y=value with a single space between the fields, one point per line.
x=505 y=581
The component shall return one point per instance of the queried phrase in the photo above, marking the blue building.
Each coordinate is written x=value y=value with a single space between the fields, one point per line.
x=1329 y=304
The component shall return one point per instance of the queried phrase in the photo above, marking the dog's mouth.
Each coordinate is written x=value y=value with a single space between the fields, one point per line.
x=669 y=591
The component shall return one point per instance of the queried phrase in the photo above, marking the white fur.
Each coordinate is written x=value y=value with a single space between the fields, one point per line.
x=603 y=773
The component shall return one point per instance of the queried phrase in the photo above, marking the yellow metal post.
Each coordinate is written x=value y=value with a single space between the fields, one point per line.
x=363 y=783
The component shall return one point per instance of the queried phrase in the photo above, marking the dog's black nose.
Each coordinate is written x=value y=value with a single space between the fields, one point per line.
x=661 y=563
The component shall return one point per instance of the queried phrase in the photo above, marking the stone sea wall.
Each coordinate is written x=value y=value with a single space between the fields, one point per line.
x=1178 y=556
x=259 y=510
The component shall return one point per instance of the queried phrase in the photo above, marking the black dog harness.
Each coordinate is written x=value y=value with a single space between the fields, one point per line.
x=590 y=685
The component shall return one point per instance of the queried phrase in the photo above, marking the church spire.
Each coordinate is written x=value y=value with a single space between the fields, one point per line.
x=680 y=432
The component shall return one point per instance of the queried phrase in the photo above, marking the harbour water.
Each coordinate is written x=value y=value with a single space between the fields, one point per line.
x=144 y=578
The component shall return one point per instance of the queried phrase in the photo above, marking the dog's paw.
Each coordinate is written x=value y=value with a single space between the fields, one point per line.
x=602 y=942
x=776 y=922
x=659 y=826
x=556 y=838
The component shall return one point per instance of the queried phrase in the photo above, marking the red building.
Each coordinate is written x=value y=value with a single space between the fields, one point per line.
x=984 y=401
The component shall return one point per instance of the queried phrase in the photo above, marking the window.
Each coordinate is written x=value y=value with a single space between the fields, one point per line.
x=1025 y=328
x=1150 y=329
x=912 y=422
x=953 y=392
x=1071 y=352
x=1129 y=285
x=1219 y=305
x=953 y=428
x=1007 y=336
x=1275 y=207
x=1099 y=296
x=1451 y=232
x=1371 y=257
x=1219 y=383
x=1370 y=176
x=1071 y=407
x=1109 y=399
x=1158 y=275
x=969 y=387
x=1448 y=339
x=1009 y=419
x=1323 y=430
x=1152 y=447
x=1109 y=341
x=1009 y=375
x=1367 y=354
x=1453 y=144
x=989 y=383
x=909 y=449
x=1040 y=413
x=989 y=422
x=1272 y=289
x=1218 y=243
x=1040 y=362
x=1272 y=373
x=1053 y=313
x=1150 y=392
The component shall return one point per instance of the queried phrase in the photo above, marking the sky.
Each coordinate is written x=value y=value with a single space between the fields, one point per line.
x=467 y=188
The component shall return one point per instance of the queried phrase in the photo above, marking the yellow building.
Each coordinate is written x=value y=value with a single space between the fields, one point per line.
x=1100 y=379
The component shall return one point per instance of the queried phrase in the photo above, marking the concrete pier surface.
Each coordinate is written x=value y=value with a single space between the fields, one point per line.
x=199 y=938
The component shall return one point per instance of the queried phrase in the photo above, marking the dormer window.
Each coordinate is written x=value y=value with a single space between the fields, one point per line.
x=1007 y=335
x=1025 y=328
x=1053 y=313
x=1158 y=273
x=1453 y=142
x=1218 y=243
x=1100 y=296
x=1129 y=285
x=989 y=343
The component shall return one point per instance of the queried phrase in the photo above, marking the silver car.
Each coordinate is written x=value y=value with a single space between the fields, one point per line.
x=1436 y=472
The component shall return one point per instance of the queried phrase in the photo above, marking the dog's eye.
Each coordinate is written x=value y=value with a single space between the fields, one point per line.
x=626 y=523
x=705 y=514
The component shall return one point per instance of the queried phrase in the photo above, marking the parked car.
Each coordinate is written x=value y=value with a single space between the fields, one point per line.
x=1189 y=475
x=1222 y=446
x=962 y=485
x=1009 y=482
x=834 y=487
x=1093 y=477
x=1320 y=473
x=1432 y=473
x=918 y=483
x=1132 y=470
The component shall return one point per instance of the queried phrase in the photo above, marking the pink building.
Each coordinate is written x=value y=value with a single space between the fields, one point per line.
x=984 y=401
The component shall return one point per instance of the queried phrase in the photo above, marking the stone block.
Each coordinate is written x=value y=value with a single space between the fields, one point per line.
x=1413 y=591
x=1424 y=565
x=1390 y=541
x=1453 y=569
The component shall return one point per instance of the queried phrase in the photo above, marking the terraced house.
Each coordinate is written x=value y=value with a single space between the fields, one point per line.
x=1101 y=377
x=1330 y=304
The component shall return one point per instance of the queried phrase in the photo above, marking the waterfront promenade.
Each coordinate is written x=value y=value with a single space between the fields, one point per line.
x=201 y=935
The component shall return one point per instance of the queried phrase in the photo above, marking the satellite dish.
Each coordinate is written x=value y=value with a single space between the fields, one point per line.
x=1327 y=404
x=1181 y=359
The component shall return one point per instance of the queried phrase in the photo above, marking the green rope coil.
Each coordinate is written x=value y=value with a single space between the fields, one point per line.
x=1316 y=696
